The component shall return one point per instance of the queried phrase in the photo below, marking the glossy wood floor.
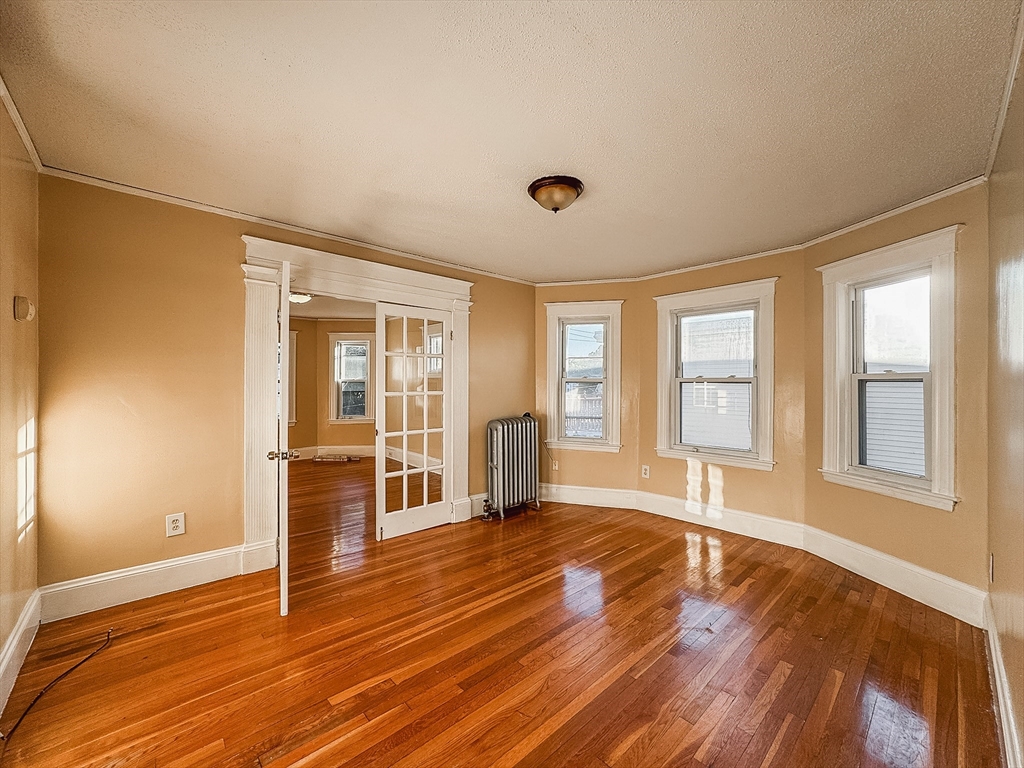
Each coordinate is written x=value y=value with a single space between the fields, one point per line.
x=570 y=637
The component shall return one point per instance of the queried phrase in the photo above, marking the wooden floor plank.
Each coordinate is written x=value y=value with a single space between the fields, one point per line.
x=572 y=636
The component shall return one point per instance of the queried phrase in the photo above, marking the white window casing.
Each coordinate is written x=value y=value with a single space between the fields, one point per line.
x=758 y=295
x=558 y=315
x=358 y=338
x=932 y=254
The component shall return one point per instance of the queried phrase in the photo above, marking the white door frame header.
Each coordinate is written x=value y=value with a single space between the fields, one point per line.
x=326 y=273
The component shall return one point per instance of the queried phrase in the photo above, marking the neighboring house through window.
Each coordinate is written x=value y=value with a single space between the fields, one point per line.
x=888 y=374
x=583 y=375
x=715 y=373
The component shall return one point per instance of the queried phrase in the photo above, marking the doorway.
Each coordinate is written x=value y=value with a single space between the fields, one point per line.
x=275 y=270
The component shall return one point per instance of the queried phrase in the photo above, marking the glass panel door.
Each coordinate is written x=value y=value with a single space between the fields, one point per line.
x=414 y=421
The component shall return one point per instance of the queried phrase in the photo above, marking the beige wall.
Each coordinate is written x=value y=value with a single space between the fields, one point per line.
x=19 y=346
x=1006 y=395
x=141 y=406
x=302 y=434
x=778 y=493
x=313 y=372
x=328 y=433
x=951 y=543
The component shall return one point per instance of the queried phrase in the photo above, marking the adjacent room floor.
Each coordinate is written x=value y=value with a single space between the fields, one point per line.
x=573 y=636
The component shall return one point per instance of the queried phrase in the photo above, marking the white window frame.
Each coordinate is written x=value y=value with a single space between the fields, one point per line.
x=933 y=254
x=292 y=376
x=560 y=313
x=365 y=338
x=756 y=294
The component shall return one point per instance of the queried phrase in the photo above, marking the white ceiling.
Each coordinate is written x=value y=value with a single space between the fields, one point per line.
x=702 y=131
x=329 y=308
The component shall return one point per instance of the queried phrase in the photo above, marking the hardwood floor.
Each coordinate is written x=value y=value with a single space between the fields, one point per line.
x=572 y=636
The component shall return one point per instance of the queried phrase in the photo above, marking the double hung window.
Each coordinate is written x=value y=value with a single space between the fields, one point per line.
x=889 y=370
x=583 y=375
x=715 y=365
x=351 y=377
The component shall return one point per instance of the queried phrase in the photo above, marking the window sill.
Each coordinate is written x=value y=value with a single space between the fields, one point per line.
x=353 y=420
x=897 y=490
x=292 y=423
x=573 y=445
x=726 y=459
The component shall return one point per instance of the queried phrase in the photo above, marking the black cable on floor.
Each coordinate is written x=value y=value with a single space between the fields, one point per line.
x=6 y=738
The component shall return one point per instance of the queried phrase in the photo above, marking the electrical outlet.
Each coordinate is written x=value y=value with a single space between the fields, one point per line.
x=645 y=471
x=176 y=524
x=554 y=466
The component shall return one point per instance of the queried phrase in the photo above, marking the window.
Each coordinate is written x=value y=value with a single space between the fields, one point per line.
x=352 y=377
x=888 y=377
x=434 y=347
x=583 y=375
x=715 y=369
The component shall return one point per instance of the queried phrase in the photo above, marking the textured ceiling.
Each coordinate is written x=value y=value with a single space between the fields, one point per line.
x=702 y=131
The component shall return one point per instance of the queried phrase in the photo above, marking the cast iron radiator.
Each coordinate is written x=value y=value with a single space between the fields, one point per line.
x=512 y=472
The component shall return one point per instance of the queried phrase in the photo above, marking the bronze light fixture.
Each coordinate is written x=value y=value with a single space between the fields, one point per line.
x=556 y=193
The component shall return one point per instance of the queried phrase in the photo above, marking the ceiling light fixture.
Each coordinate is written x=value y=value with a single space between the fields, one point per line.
x=556 y=193
x=299 y=298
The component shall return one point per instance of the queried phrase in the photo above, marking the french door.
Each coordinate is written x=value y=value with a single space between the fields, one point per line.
x=414 y=418
x=282 y=454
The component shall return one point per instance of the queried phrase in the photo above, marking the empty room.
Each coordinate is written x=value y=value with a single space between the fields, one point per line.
x=512 y=384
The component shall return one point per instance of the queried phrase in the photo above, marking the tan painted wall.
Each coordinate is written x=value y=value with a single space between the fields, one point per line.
x=19 y=347
x=954 y=544
x=141 y=406
x=328 y=433
x=313 y=386
x=302 y=434
x=1006 y=395
x=778 y=493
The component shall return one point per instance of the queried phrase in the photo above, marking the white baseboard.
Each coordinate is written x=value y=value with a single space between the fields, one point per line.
x=1012 y=748
x=259 y=556
x=15 y=649
x=956 y=598
x=309 y=451
x=91 y=593
x=345 y=450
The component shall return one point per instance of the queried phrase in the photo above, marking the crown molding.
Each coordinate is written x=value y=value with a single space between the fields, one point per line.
x=19 y=124
x=114 y=186
x=956 y=188
x=997 y=134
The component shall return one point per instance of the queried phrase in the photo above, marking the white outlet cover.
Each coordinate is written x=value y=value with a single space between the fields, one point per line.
x=645 y=471
x=176 y=524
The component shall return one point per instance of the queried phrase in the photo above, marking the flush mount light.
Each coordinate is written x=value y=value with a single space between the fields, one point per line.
x=299 y=298
x=556 y=193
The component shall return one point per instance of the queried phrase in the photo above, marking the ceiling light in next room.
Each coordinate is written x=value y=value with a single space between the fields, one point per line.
x=555 y=193
x=299 y=298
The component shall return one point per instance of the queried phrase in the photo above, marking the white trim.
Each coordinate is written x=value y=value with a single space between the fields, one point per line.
x=259 y=556
x=1011 y=75
x=371 y=393
x=949 y=191
x=956 y=598
x=581 y=445
x=309 y=451
x=852 y=479
x=759 y=292
x=603 y=311
x=19 y=124
x=1012 y=749
x=936 y=252
x=17 y=645
x=103 y=590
